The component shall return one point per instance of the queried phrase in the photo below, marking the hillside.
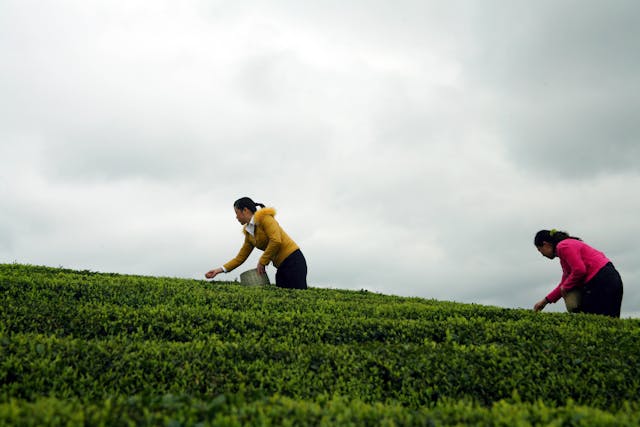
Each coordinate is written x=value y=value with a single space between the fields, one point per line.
x=87 y=348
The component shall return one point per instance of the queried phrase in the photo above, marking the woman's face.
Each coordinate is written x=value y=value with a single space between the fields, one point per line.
x=243 y=215
x=546 y=250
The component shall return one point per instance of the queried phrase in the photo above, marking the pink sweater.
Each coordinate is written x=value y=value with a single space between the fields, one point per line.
x=580 y=262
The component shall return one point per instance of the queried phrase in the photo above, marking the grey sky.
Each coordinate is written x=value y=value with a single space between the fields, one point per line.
x=410 y=147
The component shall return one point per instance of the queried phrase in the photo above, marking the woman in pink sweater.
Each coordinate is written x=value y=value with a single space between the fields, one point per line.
x=583 y=268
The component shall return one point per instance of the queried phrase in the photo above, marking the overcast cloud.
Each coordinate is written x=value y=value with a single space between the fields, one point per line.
x=410 y=147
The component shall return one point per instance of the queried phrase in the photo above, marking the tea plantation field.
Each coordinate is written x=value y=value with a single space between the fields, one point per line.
x=87 y=348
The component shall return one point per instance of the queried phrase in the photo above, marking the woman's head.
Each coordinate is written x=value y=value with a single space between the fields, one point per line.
x=547 y=240
x=245 y=208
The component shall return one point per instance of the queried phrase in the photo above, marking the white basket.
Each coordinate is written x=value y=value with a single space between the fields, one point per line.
x=573 y=299
x=252 y=278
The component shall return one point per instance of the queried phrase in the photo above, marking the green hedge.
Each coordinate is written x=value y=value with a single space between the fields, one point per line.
x=81 y=345
x=278 y=411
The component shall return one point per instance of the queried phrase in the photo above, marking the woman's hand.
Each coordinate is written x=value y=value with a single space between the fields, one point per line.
x=213 y=273
x=540 y=304
x=261 y=269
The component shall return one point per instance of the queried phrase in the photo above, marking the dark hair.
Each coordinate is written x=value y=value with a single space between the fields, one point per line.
x=246 y=202
x=552 y=236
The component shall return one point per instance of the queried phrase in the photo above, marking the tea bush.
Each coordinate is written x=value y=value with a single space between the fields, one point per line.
x=87 y=348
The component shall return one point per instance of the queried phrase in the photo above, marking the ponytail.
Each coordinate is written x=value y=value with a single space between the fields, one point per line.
x=552 y=236
x=246 y=202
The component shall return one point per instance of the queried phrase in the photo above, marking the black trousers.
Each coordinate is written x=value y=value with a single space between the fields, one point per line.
x=292 y=273
x=603 y=293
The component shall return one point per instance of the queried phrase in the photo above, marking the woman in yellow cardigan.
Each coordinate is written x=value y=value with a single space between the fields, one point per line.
x=262 y=231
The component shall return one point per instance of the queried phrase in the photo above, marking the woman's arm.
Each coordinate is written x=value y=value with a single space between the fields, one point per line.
x=274 y=234
x=573 y=267
x=213 y=273
x=540 y=305
x=242 y=256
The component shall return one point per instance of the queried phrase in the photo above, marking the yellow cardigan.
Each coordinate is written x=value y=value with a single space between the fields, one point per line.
x=269 y=237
